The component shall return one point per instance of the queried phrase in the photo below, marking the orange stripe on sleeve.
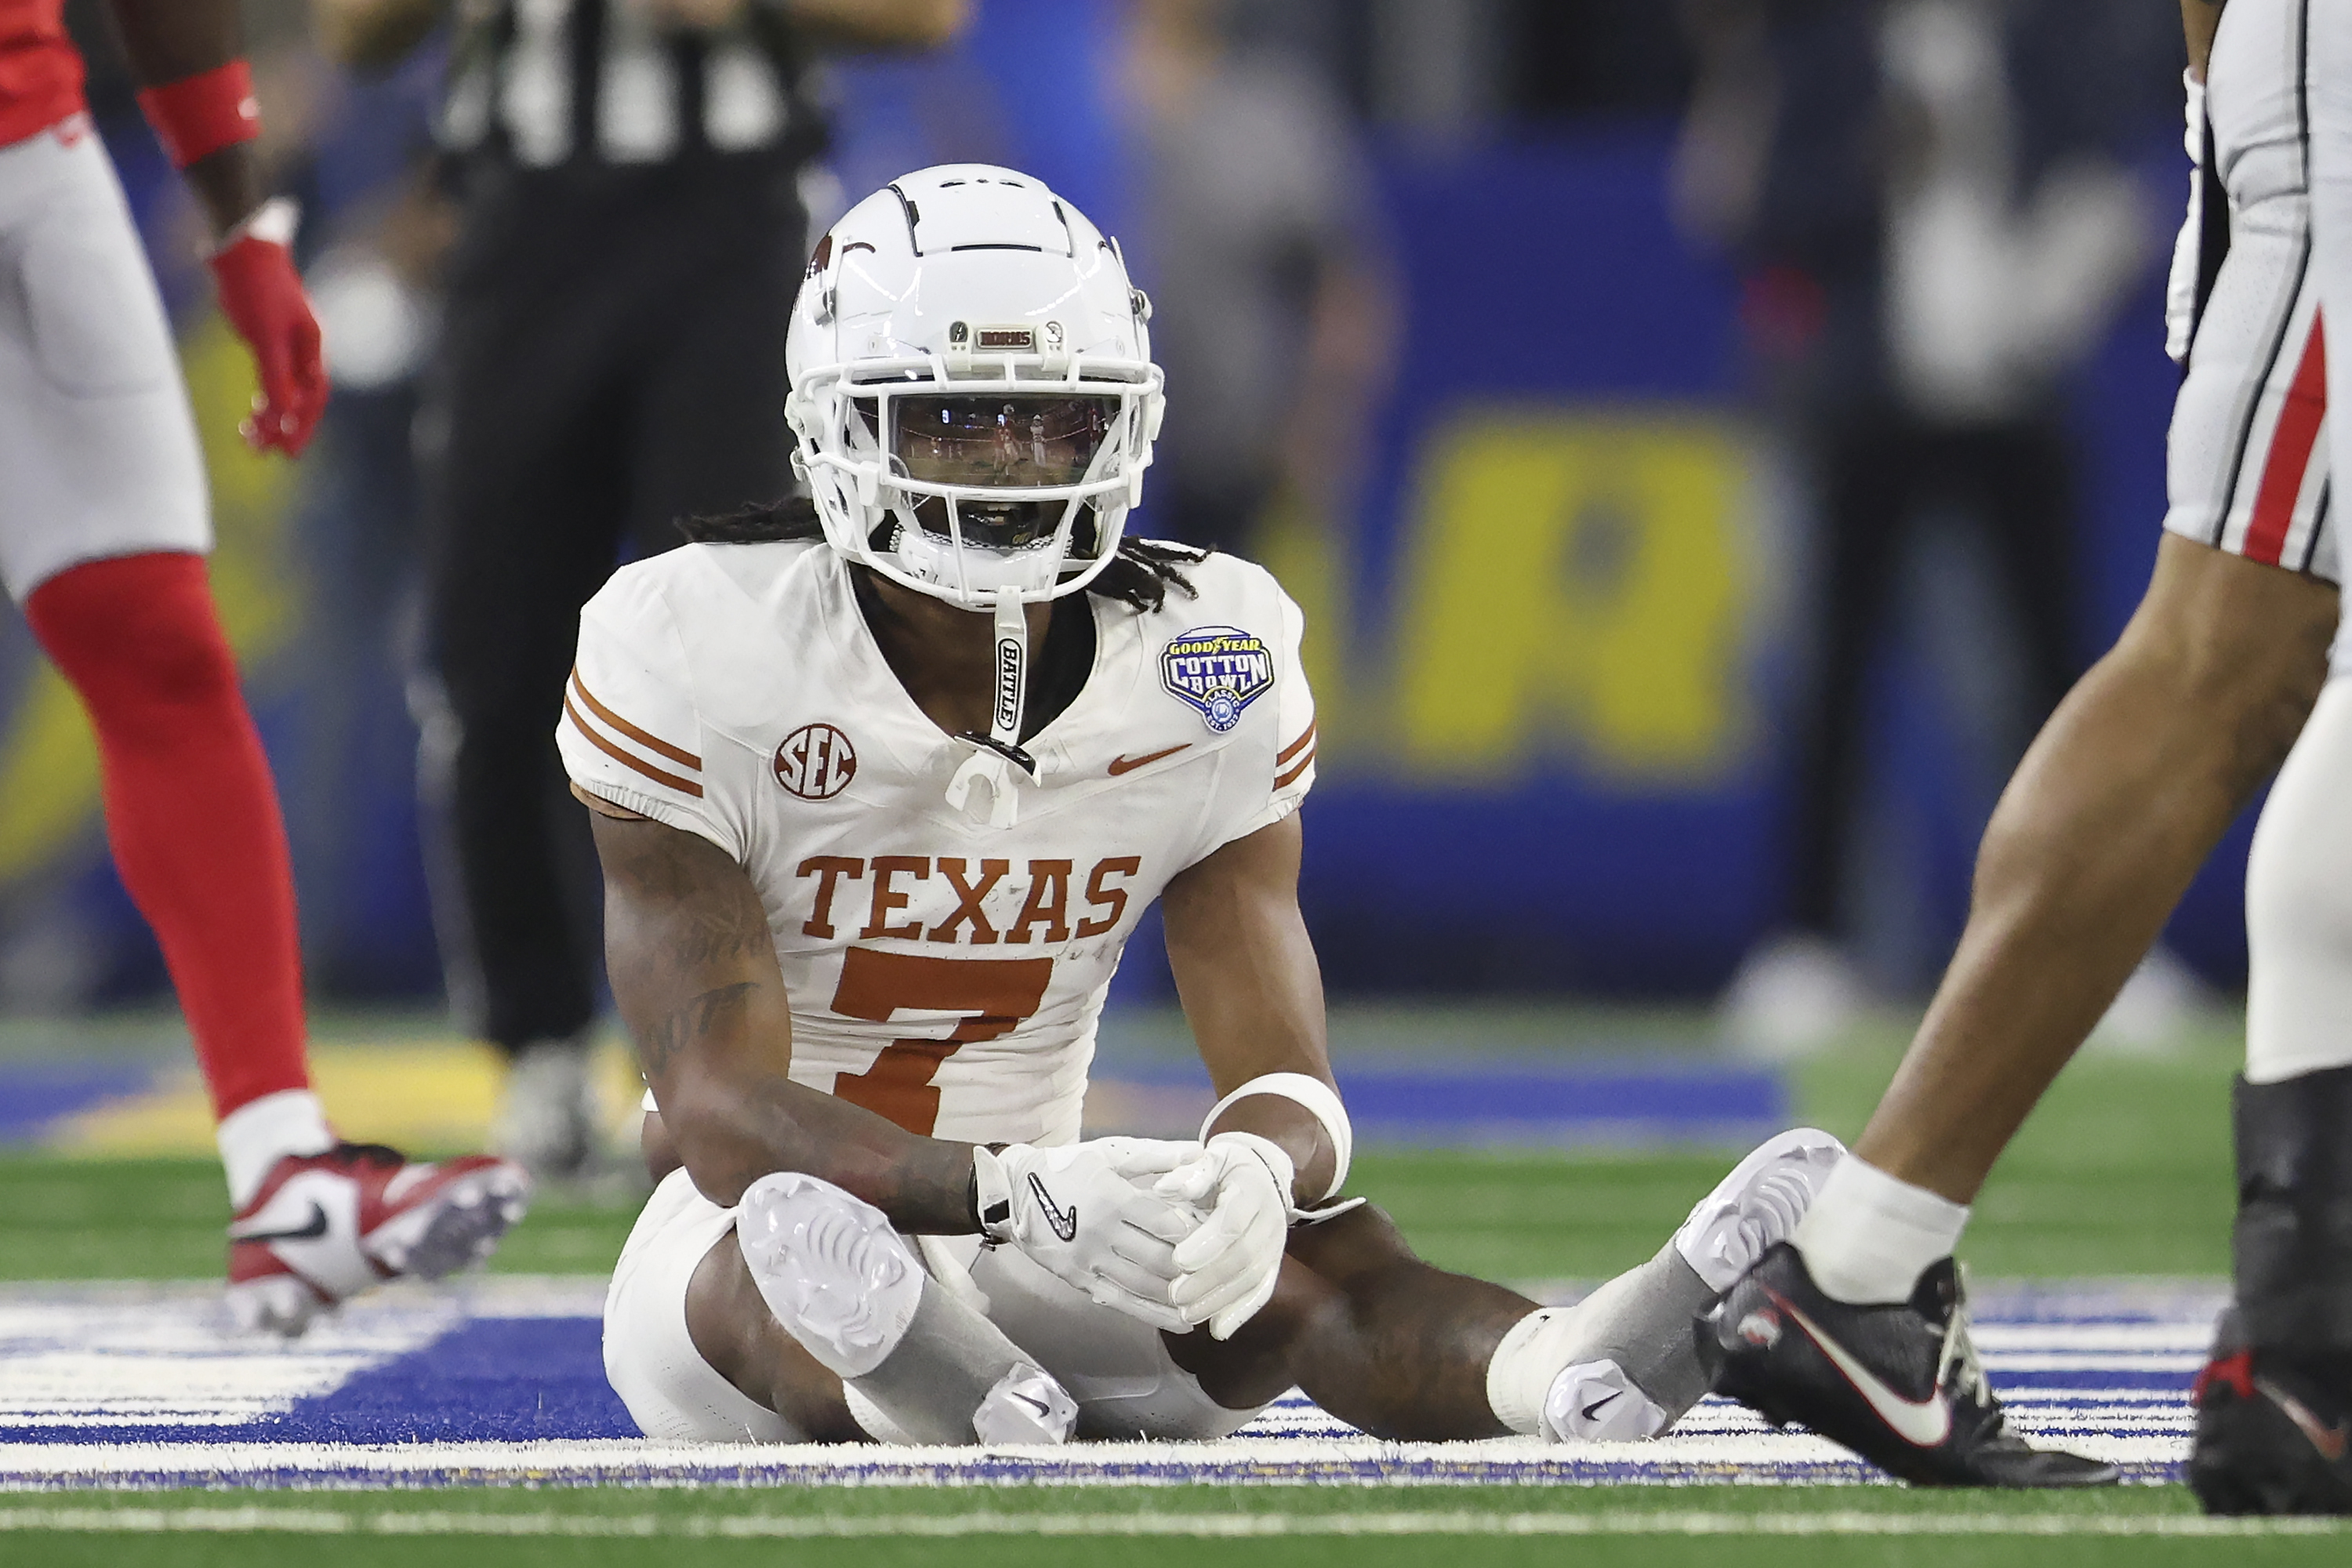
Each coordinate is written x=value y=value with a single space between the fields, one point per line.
x=684 y=787
x=1291 y=750
x=1283 y=780
x=650 y=742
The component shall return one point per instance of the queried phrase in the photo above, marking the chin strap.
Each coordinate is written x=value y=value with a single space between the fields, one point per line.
x=995 y=753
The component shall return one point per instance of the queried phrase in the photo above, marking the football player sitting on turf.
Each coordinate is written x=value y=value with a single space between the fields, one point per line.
x=880 y=794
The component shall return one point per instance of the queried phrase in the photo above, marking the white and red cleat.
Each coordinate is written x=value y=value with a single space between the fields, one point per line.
x=325 y=1228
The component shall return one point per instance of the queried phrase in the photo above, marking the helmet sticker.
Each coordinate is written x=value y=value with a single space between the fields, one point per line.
x=1218 y=671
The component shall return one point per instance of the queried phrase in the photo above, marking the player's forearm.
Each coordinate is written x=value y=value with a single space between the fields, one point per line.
x=2122 y=797
x=1246 y=972
x=713 y=1031
x=167 y=41
x=228 y=184
x=693 y=970
x=730 y=1135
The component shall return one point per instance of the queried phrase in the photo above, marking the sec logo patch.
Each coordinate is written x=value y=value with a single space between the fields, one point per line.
x=1217 y=671
x=816 y=762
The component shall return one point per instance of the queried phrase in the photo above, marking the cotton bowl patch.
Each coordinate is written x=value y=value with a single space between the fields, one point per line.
x=1218 y=671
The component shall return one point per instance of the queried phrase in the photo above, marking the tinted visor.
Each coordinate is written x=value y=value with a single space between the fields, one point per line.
x=998 y=441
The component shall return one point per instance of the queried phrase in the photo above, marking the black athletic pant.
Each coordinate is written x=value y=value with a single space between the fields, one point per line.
x=613 y=360
x=1878 y=476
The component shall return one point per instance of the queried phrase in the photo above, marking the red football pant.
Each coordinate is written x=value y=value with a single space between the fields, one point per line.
x=190 y=808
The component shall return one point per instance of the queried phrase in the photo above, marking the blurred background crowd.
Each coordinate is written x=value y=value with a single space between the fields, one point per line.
x=1705 y=439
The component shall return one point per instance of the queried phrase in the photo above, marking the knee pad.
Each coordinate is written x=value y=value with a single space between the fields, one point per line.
x=850 y=1289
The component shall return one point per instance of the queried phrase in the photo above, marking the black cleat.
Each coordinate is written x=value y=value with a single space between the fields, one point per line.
x=2274 y=1435
x=1899 y=1385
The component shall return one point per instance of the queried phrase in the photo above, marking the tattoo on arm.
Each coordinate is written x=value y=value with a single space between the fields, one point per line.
x=708 y=1014
x=694 y=968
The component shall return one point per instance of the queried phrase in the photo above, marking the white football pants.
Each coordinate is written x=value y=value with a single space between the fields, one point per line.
x=98 y=451
x=2299 y=905
x=2299 y=879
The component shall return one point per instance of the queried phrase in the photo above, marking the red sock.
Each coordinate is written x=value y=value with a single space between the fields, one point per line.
x=190 y=808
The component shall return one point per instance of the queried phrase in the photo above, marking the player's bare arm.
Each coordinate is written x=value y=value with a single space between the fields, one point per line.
x=198 y=95
x=695 y=976
x=1245 y=973
x=172 y=40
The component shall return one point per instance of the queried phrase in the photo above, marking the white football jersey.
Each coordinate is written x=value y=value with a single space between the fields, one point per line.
x=943 y=973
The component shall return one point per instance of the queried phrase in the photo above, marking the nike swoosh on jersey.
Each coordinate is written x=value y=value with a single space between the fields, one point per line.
x=1128 y=764
x=310 y=1229
x=1923 y=1423
x=1064 y=1221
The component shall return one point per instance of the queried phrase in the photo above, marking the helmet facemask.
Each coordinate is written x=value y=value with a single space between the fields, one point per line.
x=965 y=487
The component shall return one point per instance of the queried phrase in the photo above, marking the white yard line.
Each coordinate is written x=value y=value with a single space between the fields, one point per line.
x=987 y=1522
x=1353 y=1461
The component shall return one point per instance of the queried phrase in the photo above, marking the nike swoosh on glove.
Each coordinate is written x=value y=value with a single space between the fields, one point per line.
x=1231 y=1263
x=261 y=294
x=1087 y=1214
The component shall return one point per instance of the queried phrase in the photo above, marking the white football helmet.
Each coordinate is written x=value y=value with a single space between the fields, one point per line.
x=972 y=387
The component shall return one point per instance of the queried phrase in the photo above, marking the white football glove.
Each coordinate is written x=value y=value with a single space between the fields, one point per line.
x=1087 y=1213
x=1229 y=1265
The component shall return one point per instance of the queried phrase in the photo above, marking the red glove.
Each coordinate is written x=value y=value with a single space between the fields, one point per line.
x=262 y=296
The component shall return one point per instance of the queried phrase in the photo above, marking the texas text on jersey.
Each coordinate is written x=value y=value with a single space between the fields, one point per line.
x=944 y=972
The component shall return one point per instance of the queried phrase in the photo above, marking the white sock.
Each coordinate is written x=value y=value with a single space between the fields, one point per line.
x=1869 y=1237
x=260 y=1132
x=1524 y=1365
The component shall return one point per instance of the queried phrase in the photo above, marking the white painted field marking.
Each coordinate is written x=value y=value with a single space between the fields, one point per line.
x=978 y=1522
x=135 y=1359
x=138 y=1387
x=1304 y=1459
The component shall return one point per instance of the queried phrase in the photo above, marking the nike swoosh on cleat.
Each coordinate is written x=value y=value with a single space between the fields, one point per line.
x=1923 y=1423
x=1128 y=764
x=1599 y=1403
x=2331 y=1441
x=310 y=1229
x=1064 y=1221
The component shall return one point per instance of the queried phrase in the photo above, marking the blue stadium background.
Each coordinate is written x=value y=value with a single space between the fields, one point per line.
x=1553 y=648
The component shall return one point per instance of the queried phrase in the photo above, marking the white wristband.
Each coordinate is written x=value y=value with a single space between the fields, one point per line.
x=273 y=222
x=1321 y=1101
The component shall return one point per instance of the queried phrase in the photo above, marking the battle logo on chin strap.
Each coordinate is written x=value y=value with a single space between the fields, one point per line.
x=996 y=753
